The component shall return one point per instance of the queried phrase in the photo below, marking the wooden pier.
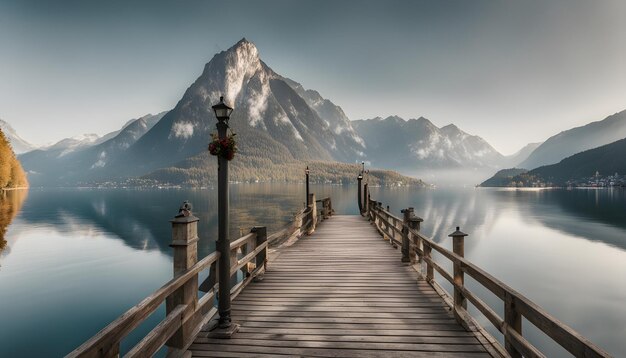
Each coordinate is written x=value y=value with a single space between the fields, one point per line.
x=332 y=286
x=341 y=292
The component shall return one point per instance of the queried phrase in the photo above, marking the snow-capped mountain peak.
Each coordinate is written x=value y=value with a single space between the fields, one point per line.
x=418 y=143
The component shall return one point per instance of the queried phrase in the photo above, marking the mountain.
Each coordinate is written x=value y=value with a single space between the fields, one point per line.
x=332 y=115
x=269 y=115
x=11 y=173
x=18 y=144
x=578 y=139
x=81 y=158
x=606 y=160
x=417 y=143
x=279 y=125
x=72 y=144
x=521 y=155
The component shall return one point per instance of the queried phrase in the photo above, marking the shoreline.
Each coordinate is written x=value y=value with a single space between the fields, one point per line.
x=18 y=188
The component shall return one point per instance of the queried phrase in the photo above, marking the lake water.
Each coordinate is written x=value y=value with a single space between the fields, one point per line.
x=71 y=261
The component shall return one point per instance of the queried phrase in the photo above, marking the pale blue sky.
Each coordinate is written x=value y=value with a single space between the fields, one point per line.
x=512 y=72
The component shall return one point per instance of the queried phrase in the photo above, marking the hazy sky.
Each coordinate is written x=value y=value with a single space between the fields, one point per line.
x=512 y=72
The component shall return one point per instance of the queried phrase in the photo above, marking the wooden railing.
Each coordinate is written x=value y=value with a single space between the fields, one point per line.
x=326 y=209
x=418 y=248
x=186 y=314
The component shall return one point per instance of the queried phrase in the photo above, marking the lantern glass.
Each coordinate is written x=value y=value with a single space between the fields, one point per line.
x=222 y=111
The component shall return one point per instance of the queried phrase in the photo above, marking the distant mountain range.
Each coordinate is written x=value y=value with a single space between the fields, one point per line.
x=576 y=140
x=562 y=157
x=83 y=158
x=280 y=125
x=605 y=160
x=417 y=143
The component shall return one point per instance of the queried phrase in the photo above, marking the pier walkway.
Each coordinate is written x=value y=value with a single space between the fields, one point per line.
x=341 y=292
x=330 y=285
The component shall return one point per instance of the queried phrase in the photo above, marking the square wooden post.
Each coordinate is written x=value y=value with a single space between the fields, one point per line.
x=261 y=257
x=430 y=273
x=458 y=246
x=415 y=224
x=313 y=214
x=366 y=199
x=513 y=321
x=185 y=245
x=408 y=248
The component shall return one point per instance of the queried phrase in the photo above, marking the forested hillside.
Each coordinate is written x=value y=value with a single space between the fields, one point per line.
x=11 y=173
x=201 y=170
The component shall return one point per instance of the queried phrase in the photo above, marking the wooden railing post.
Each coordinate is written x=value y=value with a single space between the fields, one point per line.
x=366 y=199
x=458 y=247
x=513 y=321
x=415 y=224
x=313 y=214
x=185 y=245
x=325 y=209
x=411 y=222
x=406 y=246
x=330 y=207
x=261 y=258
x=430 y=273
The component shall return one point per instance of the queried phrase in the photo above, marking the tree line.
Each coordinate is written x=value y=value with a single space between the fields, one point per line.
x=11 y=173
x=201 y=170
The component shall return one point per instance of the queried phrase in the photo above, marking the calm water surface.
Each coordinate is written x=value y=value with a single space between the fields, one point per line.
x=71 y=261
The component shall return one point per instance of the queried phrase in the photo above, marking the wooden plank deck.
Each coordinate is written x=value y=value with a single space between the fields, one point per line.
x=342 y=292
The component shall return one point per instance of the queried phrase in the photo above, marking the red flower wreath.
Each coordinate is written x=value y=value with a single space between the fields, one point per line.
x=225 y=148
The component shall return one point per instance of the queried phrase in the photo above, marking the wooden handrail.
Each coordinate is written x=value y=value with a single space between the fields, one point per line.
x=560 y=333
x=108 y=338
x=253 y=263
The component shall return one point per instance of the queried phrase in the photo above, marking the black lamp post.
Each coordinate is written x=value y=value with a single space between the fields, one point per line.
x=306 y=171
x=222 y=112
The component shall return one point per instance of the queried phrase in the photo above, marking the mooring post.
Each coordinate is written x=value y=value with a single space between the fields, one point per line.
x=185 y=246
x=458 y=247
